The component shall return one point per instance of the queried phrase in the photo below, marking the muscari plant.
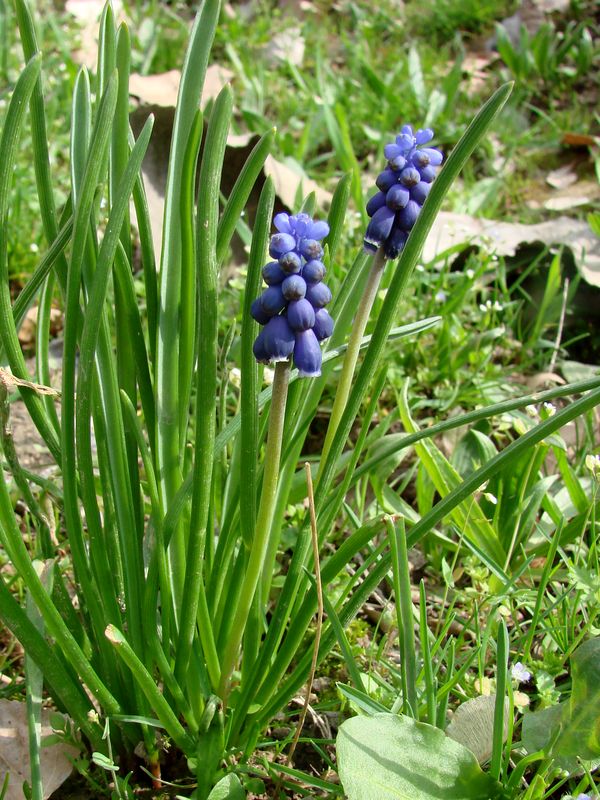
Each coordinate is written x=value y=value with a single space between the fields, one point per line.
x=165 y=623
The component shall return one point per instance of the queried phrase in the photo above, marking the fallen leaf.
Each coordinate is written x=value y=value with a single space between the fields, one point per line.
x=286 y=47
x=289 y=178
x=504 y=238
x=161 y=90
x=562 y=177
x=472 y=725
x=550 y=6
x=580 y=140
x=14 y=752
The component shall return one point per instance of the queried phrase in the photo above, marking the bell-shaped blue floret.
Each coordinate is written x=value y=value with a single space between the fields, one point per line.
x=313 y=271
x=307 y=354
x=281 y=243
x=375 y=203
x=258 y=313
x=294 y=287
x=380 y=226
x=386 y=179
x=300 y=314
x=282 y=223
x=272 y=300
x=423 y=136
x=272 y=273
x=311 y=249
x=278 y=339
x=318 y=229
x=428 y=173
x=397 y=197
x=323 y=326
x=395 y=242
x=258 y=348
x=419 y=192
x=290 y=262
x=408 y=216
x=410 y=176
x=318 y=294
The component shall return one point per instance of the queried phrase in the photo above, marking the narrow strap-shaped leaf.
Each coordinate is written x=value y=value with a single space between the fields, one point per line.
x=89 y=337
x=8 y=144
x=513 y=450
x=189 y=294
x=12 y=540
x=241 y=192
x=39 y=140
x=207 y=281
x=167 y=381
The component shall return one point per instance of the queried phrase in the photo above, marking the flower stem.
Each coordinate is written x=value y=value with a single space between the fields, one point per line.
x=351 y=357
x=264 y=519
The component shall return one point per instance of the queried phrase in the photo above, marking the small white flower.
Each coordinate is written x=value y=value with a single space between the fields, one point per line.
x=520 y=673
x=593 y=464
x=550 y=409
x=498 y=306
x=491 y=497
x=531 y=410
x=235 y=377
x=482 y=308
x=420 y=268
x=440 y=297
x=470 y=273
x=33 y=248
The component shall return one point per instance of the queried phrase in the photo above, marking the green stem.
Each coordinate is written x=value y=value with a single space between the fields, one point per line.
x=264 y=519
x=356 y=333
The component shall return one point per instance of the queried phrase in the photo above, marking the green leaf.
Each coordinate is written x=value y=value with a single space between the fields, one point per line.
x=386 y=757
x=578 y=718
x=228 y=788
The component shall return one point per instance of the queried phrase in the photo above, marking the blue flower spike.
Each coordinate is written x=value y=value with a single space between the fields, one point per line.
x=292 y=307
x=403 y=188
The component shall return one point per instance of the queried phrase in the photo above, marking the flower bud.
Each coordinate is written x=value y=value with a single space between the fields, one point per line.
x=419 y=192
x=281 y=243
x=386 y=179
x=290 y=262
x=376 y=202
x=272 y=300
x=311 y=249
x=318 y=294
x=313 y=271
x=408 y=216
x=409 y=177
x=272 y=273
x=294 y=287
x=397 y=197
x=323 y=327
x=258 y=313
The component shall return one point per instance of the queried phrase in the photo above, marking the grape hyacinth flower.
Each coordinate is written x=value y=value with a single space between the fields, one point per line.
x=292 y=307
x=403 y=188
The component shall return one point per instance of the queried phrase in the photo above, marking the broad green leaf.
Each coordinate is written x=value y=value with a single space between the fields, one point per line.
x=228 y=788
x=578 y=718
x=389 y=757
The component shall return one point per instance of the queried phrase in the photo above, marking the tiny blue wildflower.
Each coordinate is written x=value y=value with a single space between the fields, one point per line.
x=520 y=673
x=403 y=188
x=291 y=308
